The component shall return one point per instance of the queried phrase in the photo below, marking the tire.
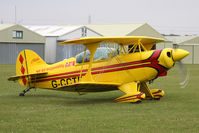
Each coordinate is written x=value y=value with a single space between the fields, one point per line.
x=156 y=98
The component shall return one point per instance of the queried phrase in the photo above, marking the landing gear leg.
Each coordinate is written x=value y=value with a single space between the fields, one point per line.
x=24 y=91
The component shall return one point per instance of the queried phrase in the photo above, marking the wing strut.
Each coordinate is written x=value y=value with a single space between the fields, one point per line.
x=92 y=47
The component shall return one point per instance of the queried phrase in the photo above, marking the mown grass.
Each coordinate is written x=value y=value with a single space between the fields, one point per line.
x=48 y=111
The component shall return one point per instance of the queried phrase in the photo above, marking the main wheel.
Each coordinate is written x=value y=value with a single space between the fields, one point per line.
x=156 y=98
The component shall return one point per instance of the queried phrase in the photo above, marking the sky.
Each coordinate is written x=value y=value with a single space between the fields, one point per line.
x=166 y=16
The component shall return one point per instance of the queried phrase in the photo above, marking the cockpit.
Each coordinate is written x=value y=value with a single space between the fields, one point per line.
x=101 y=53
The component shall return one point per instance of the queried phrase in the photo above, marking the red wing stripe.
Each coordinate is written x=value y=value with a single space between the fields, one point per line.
x=126 y=99
x=157 y=95
x=157 y=92
x=137 y=96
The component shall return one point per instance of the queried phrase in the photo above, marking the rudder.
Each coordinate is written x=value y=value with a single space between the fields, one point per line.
x=26 y=61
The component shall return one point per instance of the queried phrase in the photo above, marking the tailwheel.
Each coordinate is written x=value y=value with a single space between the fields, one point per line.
x=24 y=91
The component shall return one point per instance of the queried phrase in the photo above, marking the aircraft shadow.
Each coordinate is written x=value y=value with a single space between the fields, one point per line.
x=71 y=100
x=74 y=100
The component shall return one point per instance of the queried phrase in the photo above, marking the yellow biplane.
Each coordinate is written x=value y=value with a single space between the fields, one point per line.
x=100 y=69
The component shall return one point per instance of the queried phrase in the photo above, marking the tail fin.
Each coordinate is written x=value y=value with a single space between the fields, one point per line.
x=26 y=63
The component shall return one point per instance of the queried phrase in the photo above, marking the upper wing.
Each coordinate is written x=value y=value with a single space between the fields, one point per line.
x=125 y=40
x=90 y=87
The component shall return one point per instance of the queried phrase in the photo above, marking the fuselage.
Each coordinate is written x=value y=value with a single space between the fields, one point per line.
x=123 y=68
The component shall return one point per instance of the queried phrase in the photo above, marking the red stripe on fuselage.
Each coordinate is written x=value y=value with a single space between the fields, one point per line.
x=98 y=72
x=97 y=68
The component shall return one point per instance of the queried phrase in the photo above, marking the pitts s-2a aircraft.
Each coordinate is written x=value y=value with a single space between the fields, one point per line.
x=100 y=69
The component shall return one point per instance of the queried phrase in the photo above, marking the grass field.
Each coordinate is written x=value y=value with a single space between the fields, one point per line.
x=53 y=111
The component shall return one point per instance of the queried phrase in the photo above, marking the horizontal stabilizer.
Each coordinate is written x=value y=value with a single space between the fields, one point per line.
x=14 y=78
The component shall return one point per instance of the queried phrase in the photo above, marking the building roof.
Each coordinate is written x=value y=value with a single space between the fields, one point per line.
x=179 y=39
x=5 y=26
x=52 y=30
x=128 y=29
x=114 y=29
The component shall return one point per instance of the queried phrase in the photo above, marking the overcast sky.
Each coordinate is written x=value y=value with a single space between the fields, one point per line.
x=166 y=16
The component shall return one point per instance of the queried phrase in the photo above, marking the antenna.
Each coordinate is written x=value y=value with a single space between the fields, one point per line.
x=15 y=14
x=89 y=19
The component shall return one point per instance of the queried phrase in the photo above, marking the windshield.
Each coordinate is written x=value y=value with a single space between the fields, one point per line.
x=100 y=54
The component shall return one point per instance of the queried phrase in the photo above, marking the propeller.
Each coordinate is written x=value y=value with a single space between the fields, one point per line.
x=183 y=74
x=178 y=55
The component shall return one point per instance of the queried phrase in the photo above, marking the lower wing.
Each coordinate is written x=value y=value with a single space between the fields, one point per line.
x=90 y=87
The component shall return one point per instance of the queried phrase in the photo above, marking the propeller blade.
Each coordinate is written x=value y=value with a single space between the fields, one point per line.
x=183 y=74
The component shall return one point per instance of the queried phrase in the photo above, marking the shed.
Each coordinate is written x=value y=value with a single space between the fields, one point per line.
x=15 y=38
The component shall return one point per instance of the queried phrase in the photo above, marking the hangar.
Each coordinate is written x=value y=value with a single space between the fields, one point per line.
x=55 y=34
x=14 y=38
x=129 y=29
x=133 y=29
x=189 y=43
